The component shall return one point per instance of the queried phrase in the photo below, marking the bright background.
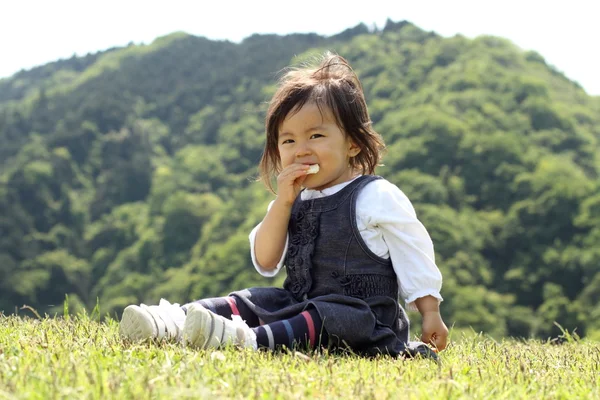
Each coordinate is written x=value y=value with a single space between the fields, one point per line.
x=37 y=32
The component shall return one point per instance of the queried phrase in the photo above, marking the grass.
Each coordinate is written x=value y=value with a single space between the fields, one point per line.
x=79 y=358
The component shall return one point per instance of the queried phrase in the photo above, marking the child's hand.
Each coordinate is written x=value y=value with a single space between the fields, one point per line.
x=289 y=182
x=434 y=331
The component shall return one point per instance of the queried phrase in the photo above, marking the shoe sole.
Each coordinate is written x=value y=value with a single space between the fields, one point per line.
x=136 y=324
x=199 y=328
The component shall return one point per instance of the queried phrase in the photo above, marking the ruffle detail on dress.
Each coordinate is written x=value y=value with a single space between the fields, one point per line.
x=304 y=230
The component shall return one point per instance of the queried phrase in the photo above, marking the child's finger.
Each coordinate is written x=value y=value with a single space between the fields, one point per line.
x=439 y=342
x=300 y=180
x=294 y=172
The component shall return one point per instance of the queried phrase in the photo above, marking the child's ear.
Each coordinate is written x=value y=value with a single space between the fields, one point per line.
x=353 y=150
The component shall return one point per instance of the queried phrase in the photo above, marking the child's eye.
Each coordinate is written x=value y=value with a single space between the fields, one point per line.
x=316 y=135
x=287 y=141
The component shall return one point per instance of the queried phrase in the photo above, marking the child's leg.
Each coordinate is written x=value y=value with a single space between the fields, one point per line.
x=205 y=329
x=166 y=320
x=304 y=331
x=226 y=307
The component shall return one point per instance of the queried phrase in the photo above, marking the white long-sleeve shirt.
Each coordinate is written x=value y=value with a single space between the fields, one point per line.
x=389 y=226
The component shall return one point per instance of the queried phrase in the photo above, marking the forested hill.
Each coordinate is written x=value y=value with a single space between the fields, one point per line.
x=127 y=175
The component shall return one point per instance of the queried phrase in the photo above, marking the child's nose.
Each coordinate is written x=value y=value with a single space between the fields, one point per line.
x=303 y=150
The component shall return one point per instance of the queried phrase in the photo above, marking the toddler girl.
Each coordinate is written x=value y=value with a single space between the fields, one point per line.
x=350 y=241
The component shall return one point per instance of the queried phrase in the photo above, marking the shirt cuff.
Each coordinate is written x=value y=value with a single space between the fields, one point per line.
x=410 y=301
x=265 y=272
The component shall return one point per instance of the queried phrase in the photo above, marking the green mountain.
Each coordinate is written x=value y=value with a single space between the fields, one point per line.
x=128 y=175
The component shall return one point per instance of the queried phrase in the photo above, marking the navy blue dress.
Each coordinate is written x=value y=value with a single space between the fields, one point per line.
x=329 y=267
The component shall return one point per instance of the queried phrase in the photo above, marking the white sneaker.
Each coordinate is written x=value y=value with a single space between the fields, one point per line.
x=204 y=329
x=164 y=321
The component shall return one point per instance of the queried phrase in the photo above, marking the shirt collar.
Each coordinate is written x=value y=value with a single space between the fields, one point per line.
x=309 y=194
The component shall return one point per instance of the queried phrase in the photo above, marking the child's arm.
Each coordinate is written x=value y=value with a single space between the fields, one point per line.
x=271 y=236
x=272 y=233
x=252 y=237
x=408 y=242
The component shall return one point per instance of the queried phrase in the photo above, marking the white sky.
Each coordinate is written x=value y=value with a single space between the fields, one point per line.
x=565 y=33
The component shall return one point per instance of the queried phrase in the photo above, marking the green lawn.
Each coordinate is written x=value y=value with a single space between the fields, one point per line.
x=80 y=358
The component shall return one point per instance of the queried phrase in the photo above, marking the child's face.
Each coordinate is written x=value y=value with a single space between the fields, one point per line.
x=307 y=137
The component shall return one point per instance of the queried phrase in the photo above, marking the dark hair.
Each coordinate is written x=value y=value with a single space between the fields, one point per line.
x=333 y=84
